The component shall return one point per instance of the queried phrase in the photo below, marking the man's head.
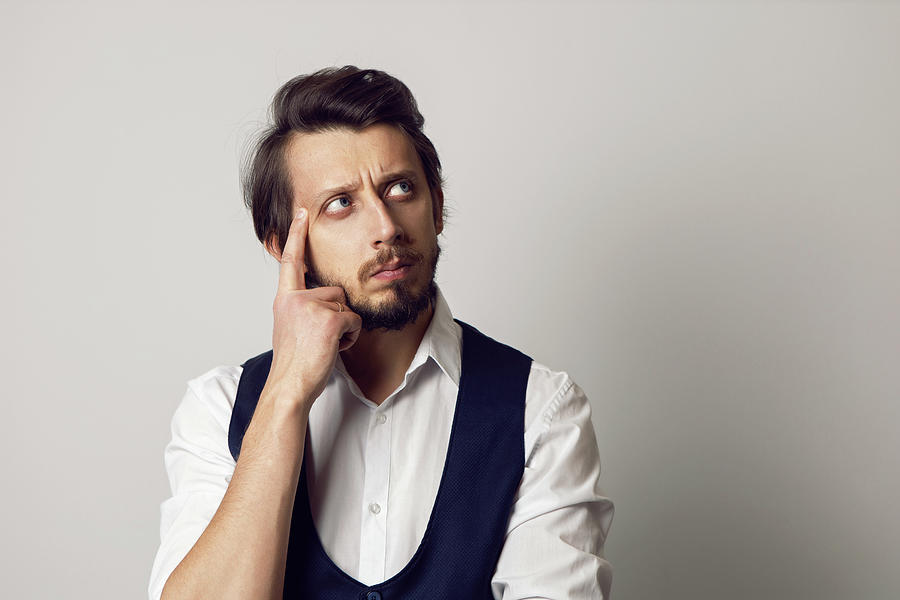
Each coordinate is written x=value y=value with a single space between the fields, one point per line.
x=347 y=145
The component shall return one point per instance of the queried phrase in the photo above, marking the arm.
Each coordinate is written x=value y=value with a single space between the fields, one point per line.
x=560 y=519
x=242 y=551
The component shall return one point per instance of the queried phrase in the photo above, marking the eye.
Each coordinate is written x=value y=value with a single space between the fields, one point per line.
x=337 y=205
x=401 y=188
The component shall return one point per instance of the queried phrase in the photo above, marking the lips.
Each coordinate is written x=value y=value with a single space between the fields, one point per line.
x=392 y=266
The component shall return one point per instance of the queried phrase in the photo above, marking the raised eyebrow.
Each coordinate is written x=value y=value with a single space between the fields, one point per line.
x=401 y=174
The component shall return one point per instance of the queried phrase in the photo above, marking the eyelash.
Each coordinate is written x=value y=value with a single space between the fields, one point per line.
x=392 y=185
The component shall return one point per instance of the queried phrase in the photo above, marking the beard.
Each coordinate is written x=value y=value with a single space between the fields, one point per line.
x=405 y=306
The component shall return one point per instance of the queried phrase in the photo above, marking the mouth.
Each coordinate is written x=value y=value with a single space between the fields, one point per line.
x=396 y=269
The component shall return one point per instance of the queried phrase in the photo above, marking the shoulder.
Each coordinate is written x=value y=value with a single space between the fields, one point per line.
x=209 y=398
x=219 y=383
x=548 y=391
x=552 y=396
x=197 y=455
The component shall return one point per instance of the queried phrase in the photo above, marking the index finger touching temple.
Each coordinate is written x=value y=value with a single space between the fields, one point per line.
x=291 y=274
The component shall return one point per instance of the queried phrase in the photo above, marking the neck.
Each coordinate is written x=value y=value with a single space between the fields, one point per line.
x=379 y=359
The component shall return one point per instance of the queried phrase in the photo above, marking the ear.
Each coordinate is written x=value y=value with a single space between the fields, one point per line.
x=437 y=208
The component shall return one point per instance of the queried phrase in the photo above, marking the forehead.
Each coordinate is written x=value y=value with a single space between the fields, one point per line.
x=345 y=157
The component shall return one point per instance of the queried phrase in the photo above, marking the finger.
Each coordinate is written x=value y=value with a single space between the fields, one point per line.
x=332 y=303
x=354 y=325
x=329 y=294
x=291 y=273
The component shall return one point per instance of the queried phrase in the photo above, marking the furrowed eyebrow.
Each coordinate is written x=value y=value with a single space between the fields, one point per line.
x=338 y=189
x=351 y=187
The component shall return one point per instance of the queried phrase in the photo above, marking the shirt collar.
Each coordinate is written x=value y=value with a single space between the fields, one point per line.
x=442 y=341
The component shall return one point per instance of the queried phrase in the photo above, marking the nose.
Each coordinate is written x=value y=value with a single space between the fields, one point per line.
x=384 y=226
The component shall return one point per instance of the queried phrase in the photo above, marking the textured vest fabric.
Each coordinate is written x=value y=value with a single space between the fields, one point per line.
x=485 y=461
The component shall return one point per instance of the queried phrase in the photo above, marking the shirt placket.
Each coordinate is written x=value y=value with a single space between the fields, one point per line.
x=373 y=533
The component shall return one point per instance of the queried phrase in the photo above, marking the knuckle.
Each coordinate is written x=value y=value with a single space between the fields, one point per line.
x=334 y=324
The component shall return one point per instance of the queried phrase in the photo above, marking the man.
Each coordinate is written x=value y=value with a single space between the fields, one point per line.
x=381 y=449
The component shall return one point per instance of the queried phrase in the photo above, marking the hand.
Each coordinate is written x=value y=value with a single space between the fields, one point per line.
x=309 y=328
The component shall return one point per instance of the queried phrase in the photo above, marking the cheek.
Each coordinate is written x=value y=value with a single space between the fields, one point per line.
x=419 y=221
x=329 y=253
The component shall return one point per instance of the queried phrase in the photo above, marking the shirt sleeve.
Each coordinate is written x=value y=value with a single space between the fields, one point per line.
x=560 y=519
x=199 y=466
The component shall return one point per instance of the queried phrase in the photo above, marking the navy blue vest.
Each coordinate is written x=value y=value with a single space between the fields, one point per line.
x=485 y=460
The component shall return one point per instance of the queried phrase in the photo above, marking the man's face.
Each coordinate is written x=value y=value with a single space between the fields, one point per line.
x=373 y=221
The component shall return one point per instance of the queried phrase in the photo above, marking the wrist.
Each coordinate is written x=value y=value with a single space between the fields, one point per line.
x=292 y=397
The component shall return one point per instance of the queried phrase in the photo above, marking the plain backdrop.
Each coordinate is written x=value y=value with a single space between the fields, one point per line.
x=694 y=209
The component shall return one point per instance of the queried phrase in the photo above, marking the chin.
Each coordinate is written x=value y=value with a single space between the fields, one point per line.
x=402 y=306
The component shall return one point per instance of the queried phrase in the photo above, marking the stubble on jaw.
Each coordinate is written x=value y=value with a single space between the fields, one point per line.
x=406 y=305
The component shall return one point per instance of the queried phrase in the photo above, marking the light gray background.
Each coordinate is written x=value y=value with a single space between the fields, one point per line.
x=692 y=208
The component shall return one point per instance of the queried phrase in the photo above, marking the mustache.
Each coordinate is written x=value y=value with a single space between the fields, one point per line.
x=386 y=255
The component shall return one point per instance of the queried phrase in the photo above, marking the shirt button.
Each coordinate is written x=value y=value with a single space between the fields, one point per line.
x=381 y=418
x=374 y=508
x=373 y=596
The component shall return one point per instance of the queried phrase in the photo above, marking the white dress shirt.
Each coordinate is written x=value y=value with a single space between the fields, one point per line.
x=374 y=471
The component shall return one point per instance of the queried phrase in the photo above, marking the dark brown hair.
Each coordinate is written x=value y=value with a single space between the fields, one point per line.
x=327 y=99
